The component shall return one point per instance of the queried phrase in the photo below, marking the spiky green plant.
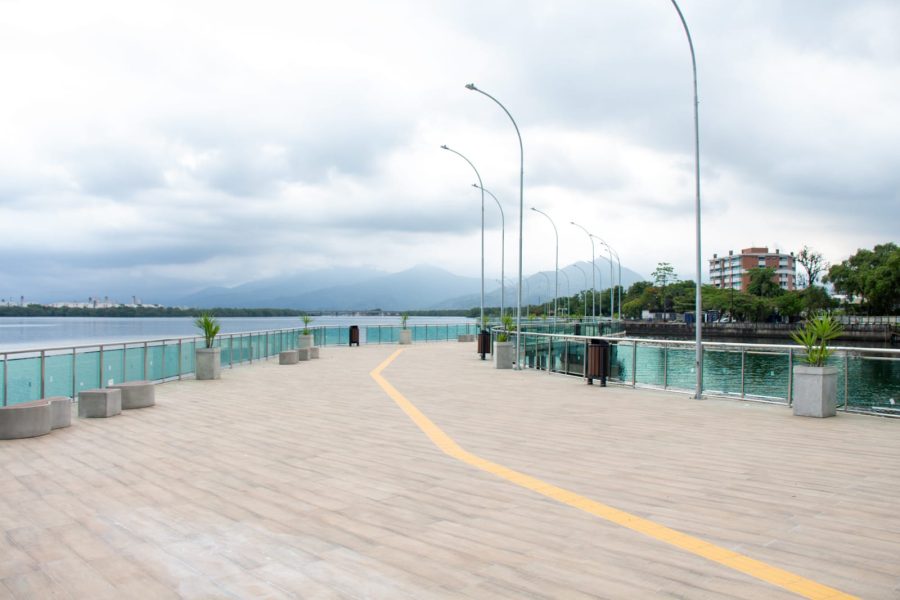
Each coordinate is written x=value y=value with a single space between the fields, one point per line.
x=209 y=326
x=814 y=338
x=306 y=321
x=403 y=319
x=508 y=326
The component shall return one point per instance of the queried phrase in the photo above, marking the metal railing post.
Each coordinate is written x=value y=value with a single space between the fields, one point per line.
x=231 y=351
x=633 y=364
x=566 y=355
x=665 y=366
x=846 y=379
x=74 y=374
x=179 y=359
x=102 y=384
x=146 y=360
x=267 y=345
x=5 y=378
x=124 y=363
x=743 y=369
x=790 y=390
x=43 y=371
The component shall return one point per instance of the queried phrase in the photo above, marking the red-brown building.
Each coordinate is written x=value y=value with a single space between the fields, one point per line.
x=733 y=271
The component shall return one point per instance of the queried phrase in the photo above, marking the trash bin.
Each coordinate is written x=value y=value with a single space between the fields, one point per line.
x=598 y=359
x=577 y=328
x=354 y=335
x=484 y=343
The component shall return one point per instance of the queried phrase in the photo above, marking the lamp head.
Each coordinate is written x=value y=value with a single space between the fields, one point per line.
x=444 y=147
x=534 y=209
x=471 y=86
x=475 y=185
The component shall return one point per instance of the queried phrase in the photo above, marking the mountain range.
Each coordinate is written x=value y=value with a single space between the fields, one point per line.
x=422 y=287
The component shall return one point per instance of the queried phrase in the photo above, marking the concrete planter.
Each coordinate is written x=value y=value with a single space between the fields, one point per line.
x=208 y=363
x=815 y=391
x=503 y=355
x=306 y=341
x=406 y=336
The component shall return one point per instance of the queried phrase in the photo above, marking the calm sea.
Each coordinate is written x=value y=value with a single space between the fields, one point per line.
x=27 y=333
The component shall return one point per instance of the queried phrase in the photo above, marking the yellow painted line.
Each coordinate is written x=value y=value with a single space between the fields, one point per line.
x=749 y=566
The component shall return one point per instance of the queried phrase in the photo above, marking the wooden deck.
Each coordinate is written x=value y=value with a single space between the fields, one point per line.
x=310 y=481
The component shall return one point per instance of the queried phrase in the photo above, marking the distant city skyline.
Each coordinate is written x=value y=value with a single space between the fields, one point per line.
x=163 y=147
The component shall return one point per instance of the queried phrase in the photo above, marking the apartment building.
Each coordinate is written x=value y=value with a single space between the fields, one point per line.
x=733 y=271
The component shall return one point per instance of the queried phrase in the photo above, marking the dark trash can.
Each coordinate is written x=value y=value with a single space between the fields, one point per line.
x=484 y=343
x=598 y=361
x=354 y=335
x=577 y=328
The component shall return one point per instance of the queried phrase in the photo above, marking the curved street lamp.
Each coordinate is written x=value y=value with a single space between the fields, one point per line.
x=612 y=252
x=478 y=175
x=594 y=264
x=556 y=290
x=471 y=86
x=568 y=291
x=502 y=247
x=698 y=298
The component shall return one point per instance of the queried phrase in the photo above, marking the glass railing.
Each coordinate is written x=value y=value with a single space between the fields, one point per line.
x=27 y=375
x=868 y=378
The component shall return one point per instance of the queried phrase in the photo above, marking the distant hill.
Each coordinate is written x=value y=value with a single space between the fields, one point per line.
x=419 y=288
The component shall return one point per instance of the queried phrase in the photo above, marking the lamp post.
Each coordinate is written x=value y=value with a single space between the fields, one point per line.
x=611 y=251
x=698 y=298
x=502 y=247
x=478 y=175
x=568 y=291
x=594 y=265
x=556 y=264
x=471 y=86
x=583 y=274
x=547 y=279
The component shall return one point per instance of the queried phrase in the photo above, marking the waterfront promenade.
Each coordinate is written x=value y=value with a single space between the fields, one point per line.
x=313 y=481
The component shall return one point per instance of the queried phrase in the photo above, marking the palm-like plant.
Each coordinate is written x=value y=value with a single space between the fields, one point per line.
x=403 y=319
x=508 y=326
x=814 y=337
x=209 y=326
x=306 y=321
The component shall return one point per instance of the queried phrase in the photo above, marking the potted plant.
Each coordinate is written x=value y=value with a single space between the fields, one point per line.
x=503 y=348
x=208 y=358
x=405 y=333
x=815 y=383
x=306 y=339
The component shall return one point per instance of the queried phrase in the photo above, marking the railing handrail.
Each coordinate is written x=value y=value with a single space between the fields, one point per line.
x=736 y=345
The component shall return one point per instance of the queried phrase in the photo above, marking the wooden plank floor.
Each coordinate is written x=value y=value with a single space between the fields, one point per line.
x=308 y=481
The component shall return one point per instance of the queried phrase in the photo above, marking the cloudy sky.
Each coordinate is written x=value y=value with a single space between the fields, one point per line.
x=190 y=143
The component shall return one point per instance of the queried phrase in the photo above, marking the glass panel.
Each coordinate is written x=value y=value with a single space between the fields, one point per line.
x=170 y=360
x=650 y=364
x=87 y=370
x=58 y=375
x=576 y=358
x=189 y=355
x=873 y=383
x=134 y=363
x=722 y=371
x=623 y=357
x=418 y=333
x=558 y=356
x=766 y=376
x=112 y=367
x=373 y=334
x=24 y=380
x=2 y=392
x=155 y=363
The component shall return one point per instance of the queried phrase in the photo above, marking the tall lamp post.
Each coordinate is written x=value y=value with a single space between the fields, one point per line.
x=471 y=86
x=556 y=264
x=698 y=298
x=478 y=175
x=594 y=265
x=502 y=247
x=612 y=252
x=584 y=275
x=568 y=291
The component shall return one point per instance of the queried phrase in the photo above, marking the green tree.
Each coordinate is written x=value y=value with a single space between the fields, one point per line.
x=763 y=283
x=664 y=275
x=872 y=274
x=813 y=263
